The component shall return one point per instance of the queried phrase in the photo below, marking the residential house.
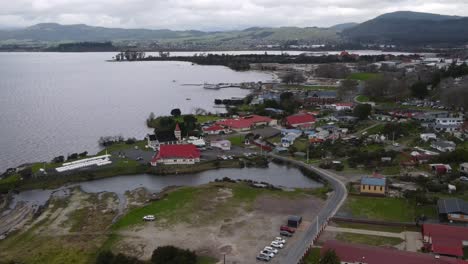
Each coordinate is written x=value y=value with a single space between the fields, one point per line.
x=375 y=185
x=342 y=106
x=301 y=120
x=448 y=124
x=288 y=140
x=464 y=168
x=444 y=146
x=452 y=209
x=444 y=239
x=440 y=168
x=363 y=254
x=427 y=136
x=176 y=154
x=246 y=123
x=319 y=97
x=385 y=118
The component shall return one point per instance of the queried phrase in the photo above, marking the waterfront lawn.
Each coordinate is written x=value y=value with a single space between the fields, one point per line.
x=9 y=182
x=368 y=239
x=386 y=209
x=122 y=146
x=181 y=204
x=362 y=76
x=313 y=257
x=237 y=140
x=362 y=98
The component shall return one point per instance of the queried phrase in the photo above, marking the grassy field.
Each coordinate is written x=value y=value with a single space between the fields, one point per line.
x=386 y=209
x=181 y=204
x=391 y=229
x=313 y=257
x=362 y=76
x=368 y=239
x=301 y=144
x=9 y=182
x=237 y=140
x=362 y=98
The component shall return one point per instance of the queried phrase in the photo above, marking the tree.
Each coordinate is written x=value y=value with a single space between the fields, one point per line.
x=176 y=112
x=335 y=71
x=190 y=123
x=293 y=77
x=419 y=90
x=347 y=88
x=173 y=255
x=330 y=257
x=362 y=111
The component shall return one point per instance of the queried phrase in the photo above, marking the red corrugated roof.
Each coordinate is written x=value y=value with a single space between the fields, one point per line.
x=344 y=104
x=355 y=253
x=446 y=240
x=187 y=151
x=300 y=119
x=213 y=128
x=244 y=122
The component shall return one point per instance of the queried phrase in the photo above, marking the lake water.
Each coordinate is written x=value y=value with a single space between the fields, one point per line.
x=54 y=104
x=278 y=175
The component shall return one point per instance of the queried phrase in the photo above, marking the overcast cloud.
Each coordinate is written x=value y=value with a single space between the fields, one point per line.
x=212 y=14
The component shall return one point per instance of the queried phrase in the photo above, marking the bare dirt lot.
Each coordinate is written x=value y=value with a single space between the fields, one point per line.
x=239 y=235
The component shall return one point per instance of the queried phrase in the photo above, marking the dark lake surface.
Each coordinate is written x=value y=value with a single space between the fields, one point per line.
x=59 y=103
x=278 y=175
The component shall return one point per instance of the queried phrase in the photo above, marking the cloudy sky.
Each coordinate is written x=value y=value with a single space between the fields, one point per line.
x=212 y=14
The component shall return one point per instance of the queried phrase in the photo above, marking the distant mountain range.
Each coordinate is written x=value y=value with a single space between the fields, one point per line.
x=410 y=28
x=403 y=28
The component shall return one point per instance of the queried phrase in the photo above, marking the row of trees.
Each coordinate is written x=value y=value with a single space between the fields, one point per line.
x=161 y=255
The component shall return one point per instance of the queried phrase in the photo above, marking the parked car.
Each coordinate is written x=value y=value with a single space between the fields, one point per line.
x=280 y=239
x=287 y=228
x=267 y=253
x=149 y=218
x=272 y=250
x=263 y=258
x=276 y=244
x=286 y=234
x=463 y=178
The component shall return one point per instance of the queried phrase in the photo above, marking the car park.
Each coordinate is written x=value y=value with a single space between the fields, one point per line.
x=263 y=258
x=272 y=250
x=267 y=253
x=287 y=228
x=276 y=244
x=280 y=239
x=149 y=218
x=286 y=233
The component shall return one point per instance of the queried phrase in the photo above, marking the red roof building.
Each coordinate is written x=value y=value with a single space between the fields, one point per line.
x=445 y=239
x=246 y=122
x=355 y=253
x=176 y=154
x=215 y=129
x=302 y=120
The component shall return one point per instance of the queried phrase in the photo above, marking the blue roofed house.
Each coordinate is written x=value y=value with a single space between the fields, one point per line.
x=374 y=185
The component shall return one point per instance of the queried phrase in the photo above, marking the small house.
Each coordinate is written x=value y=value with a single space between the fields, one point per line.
x=375 y=185
x=452 y=209
x=428 y=136
x=464 y=168
x=440 y=169
x=444 y=146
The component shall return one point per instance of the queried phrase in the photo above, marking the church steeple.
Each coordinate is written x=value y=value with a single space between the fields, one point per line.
x=177 y=132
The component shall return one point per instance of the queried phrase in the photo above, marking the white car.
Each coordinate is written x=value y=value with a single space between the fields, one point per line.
x=463 y=178
x=270 y=249
x=280 y=239
x=267 y=253
x=276 y=244
x=149 y=218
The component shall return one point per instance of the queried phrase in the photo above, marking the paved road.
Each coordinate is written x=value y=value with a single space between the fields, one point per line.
x=334 y=202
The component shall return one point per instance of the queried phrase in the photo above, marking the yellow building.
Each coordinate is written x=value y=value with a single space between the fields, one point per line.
x=373 y=185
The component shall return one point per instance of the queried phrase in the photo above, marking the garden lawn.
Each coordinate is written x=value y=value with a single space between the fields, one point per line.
x=313 y=257
x=368 y=239
x=386 y=209
x=237 y=140
x=362 y=98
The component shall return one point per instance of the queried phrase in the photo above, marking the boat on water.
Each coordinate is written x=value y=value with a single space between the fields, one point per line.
x=211 y=86
x=188 y=99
